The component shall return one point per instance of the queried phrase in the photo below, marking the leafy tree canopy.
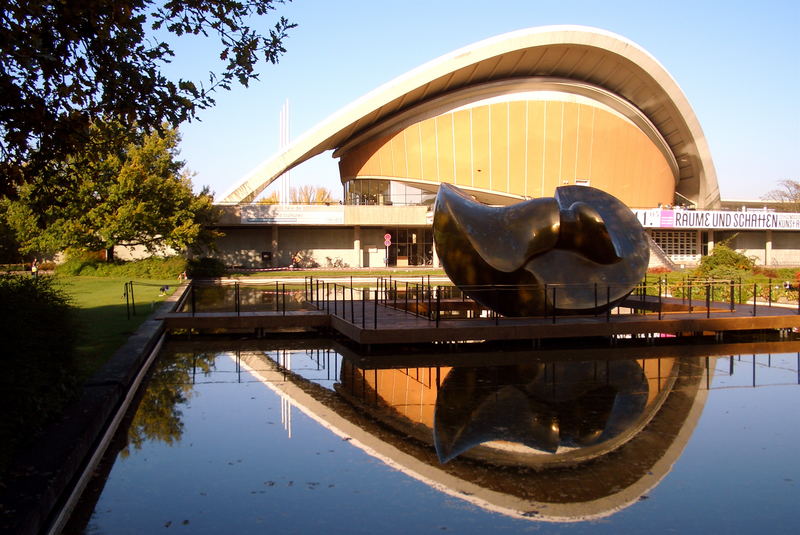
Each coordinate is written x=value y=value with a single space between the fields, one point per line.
x=787 y=194
x=65 y=65
x=113 y=194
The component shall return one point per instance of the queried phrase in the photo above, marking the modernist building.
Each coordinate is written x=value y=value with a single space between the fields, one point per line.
x=506 y=119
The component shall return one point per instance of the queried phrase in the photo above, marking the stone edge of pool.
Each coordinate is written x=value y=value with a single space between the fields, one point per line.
x=42 y=477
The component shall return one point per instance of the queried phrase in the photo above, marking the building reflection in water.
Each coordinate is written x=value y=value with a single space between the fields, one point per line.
x=559 y=441
x=549 y=435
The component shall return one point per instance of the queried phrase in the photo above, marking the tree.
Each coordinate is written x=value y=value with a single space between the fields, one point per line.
x=66 y=65
x=302 y=195
x=9 y=247
x=135 y=194
x=787 y=194
x=272 y=198
x=310 y=195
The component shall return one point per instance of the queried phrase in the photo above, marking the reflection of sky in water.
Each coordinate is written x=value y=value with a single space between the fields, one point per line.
x=740 y=471
x=234 y=470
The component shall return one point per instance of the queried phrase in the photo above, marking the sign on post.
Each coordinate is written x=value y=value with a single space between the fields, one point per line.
x=387 y=241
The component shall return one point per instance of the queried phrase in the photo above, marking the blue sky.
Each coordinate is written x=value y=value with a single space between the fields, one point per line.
x=737 y=62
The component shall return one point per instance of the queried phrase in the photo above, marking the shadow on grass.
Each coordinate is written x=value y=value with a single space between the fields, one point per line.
x=104 y=329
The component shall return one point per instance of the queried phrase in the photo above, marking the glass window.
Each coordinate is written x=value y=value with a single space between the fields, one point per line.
x=411 y=246
x=679 y=245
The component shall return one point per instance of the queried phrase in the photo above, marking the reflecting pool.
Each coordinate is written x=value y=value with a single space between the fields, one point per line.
x=275 y=436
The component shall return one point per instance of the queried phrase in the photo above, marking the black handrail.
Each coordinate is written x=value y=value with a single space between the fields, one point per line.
x=431 y=302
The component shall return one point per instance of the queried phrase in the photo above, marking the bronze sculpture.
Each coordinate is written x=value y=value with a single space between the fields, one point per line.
x=580 y=251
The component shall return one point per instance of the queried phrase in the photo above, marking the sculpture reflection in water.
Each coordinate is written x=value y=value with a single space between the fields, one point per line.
x=529 y=414
x=588 y=405
x=560 y=441
x=581 y=241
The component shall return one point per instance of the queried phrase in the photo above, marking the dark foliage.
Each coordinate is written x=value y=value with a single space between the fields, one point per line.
x=206 y=267
x=65 y=65
x=39 y=333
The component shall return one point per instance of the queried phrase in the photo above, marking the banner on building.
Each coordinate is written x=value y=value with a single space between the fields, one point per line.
x=717 y=219
x=260 y=214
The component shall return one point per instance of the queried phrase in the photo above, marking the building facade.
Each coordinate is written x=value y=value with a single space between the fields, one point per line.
x=506 y=119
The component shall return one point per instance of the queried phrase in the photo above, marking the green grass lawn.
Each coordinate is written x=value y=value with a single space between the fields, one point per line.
x=100 y=306
x=105 y=326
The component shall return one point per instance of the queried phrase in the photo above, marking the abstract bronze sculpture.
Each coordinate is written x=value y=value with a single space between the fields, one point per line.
x=581 y=251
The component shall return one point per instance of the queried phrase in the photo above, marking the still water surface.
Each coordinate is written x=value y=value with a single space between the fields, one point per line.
x=254 y=438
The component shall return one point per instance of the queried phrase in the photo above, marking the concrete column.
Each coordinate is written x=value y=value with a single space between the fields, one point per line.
x=768 y=249
x=699 y=243
x=274 y=245
x=435 y=260
x=710 y=241
x=357 y=246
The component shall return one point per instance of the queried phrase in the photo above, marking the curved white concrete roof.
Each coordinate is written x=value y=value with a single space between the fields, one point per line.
x=578 y=53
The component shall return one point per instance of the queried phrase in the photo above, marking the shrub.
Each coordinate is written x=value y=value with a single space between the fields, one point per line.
x=205 y=267
x=152 y=268
x=93 y=264
x=80 y=263
x=724 y=263
x=39 y=333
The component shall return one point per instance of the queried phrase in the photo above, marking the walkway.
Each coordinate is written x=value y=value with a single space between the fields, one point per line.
x=367 y=322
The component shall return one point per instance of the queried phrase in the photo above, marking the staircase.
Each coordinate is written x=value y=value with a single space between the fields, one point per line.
x=658 y=258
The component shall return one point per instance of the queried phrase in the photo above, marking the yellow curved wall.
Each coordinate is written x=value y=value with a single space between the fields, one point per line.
x=525 y=148
x=412 y=392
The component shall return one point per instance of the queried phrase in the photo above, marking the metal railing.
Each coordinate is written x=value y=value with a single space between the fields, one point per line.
x=238 y=297
x=130 y=296
x=359 y=303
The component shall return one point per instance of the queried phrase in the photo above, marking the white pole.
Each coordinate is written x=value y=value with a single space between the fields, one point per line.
x=285 y=136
